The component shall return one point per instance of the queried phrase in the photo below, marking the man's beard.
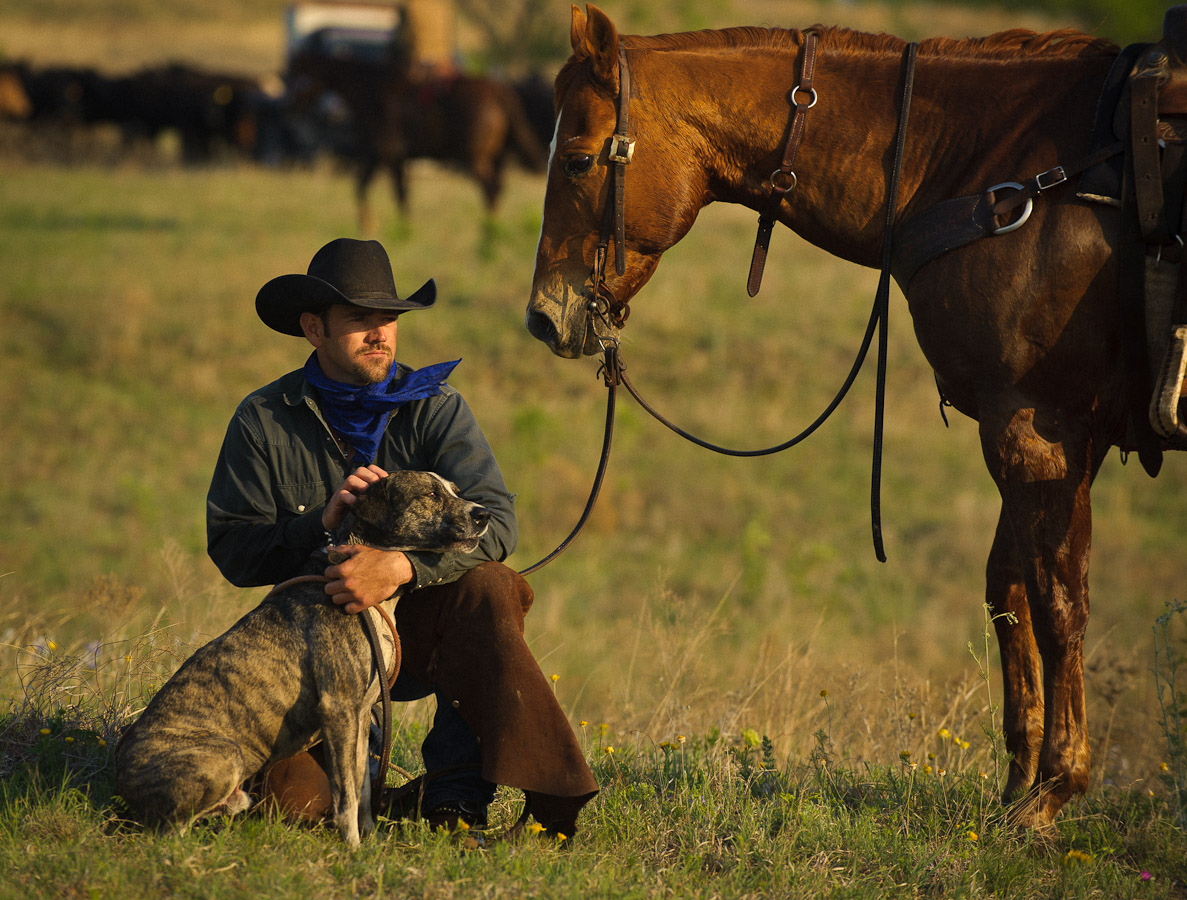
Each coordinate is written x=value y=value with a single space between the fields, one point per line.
x=373 y=371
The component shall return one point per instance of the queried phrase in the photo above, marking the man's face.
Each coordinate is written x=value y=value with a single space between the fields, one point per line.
x=354 y=345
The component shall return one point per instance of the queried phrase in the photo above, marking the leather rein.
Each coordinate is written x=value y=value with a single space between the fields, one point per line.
x=607 y=312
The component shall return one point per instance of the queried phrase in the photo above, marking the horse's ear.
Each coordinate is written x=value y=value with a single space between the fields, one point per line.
x=577 y=30
x=594 y=36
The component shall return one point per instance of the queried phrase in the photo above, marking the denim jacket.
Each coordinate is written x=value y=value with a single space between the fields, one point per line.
x=280 y=463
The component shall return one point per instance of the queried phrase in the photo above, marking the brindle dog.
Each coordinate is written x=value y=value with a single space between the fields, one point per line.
x=294 y=666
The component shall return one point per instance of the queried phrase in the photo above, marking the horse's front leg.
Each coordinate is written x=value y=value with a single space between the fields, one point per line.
x=1043 y=467
x=1022 y=672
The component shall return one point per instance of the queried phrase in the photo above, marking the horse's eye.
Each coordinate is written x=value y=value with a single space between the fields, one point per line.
x=574 y=166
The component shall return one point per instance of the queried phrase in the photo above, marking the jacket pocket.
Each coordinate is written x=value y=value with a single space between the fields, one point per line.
x=298 y=499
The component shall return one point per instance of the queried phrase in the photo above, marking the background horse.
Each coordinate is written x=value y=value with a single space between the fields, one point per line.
x=1023 y=330
x=473 y=122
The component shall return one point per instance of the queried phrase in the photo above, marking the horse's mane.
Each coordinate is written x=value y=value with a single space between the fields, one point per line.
x=1015 y=43
x=1010 y=44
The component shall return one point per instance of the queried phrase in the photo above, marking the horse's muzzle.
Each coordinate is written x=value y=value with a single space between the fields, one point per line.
x=542 y=328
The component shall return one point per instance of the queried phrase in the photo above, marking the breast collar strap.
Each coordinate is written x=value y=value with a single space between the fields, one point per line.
x=783 y=180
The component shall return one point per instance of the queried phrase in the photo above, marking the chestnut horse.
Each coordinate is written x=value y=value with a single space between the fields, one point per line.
x=1022 y=329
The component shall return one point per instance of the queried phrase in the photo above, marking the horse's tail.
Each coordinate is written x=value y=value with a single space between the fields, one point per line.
x=532 y=154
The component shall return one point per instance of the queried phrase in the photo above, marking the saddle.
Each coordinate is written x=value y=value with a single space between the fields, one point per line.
x=1154 y=200
x=1144 y=106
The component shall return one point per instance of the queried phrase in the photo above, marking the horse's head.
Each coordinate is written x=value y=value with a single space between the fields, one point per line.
x=662 y=195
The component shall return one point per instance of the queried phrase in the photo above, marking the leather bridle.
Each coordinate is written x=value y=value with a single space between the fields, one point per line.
x=621 y=150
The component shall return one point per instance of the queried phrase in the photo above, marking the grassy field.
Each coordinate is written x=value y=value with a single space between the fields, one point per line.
x=721 y=600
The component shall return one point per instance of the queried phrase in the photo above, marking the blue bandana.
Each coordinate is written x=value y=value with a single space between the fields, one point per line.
x=360 y=413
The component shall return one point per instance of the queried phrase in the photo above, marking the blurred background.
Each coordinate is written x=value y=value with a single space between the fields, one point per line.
x=159 y=162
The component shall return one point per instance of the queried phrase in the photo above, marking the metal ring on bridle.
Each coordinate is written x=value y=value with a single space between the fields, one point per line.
x=798 y=90
x=780 y=182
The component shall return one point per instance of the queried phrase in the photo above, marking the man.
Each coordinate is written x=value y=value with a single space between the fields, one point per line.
x=296 y=457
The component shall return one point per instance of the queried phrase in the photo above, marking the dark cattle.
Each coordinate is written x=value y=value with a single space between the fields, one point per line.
x=60 y=94
x=14 y=100
x=208 y=111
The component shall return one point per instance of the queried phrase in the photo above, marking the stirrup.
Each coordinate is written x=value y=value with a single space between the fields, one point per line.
x=1164 y=405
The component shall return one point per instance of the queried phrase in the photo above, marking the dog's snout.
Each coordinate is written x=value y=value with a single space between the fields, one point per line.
x=480 y=516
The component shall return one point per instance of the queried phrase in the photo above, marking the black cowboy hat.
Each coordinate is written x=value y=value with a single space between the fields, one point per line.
x=343 y=271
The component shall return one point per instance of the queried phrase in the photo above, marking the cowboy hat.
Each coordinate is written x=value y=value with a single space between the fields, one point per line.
x=343 y=271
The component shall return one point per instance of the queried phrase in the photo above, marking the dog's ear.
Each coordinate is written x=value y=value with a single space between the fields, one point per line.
x=373 y=502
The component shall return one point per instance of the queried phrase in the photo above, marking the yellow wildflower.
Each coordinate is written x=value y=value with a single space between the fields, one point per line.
x=944 y=733
x=972 y=836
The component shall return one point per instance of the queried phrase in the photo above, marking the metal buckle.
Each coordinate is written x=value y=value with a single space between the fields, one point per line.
x=1050 y=178
x=622 y=148
x=1026 y=210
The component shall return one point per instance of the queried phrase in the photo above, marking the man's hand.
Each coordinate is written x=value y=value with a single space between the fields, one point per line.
x=348 y=494
x=366 y=576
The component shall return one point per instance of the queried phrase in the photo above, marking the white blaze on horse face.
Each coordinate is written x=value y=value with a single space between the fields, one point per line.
x=556 y=299
x=556 y=128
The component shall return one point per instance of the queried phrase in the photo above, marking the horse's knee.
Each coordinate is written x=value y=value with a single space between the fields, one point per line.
x=1016 y=451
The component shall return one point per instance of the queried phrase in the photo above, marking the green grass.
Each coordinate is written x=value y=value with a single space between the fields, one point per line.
x=720 y=599
x=695 y=816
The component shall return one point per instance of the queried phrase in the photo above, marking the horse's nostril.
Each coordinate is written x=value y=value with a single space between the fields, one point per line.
x=541 y=327
x=480 y=516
